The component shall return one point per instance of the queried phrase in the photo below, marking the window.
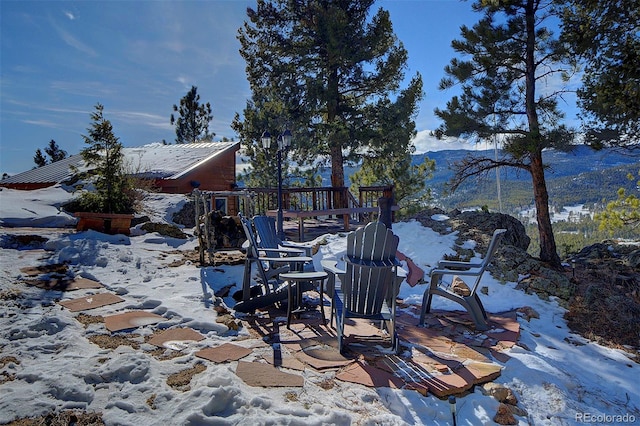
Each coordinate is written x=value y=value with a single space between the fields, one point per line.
x=221 y=204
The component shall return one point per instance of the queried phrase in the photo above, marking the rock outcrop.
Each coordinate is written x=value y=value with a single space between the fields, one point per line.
x=511 y=262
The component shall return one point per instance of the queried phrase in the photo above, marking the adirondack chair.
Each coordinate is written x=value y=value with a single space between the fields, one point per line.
x=268 y=237
x=266 y=272
x=471 y=302
x=368 y=286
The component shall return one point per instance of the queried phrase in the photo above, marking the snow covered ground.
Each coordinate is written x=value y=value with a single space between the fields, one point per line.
x=558 y=377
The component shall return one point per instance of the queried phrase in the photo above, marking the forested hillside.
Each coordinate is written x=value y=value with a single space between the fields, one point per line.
x=581 y=177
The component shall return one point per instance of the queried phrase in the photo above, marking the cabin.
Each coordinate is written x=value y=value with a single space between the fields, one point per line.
x=176 y=169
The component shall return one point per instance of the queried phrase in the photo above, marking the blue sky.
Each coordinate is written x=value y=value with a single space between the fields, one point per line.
x=138 y=58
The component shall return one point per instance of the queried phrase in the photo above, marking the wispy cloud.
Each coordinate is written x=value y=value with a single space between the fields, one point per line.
x=69 y=15
x=143 y=119
x=72 y=41
x=82 y=88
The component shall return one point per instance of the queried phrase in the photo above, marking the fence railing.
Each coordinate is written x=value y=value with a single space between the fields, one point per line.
x=318 y=198
x=252 y=201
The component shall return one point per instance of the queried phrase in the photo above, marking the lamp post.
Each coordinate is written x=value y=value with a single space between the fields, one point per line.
x=284 y=142
x=453 y=409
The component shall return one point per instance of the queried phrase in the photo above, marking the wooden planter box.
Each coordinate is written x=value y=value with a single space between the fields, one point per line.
x=109 y=223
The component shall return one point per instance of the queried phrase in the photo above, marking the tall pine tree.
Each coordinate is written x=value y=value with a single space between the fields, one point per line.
x=104 y=152
x=510 y=56
x=192 y=123
x=54 y=152
x=606 y=36
x=39 y=159
x=331 y=73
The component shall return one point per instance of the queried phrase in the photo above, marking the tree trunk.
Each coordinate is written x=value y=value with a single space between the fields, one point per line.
x=335 y=144
x=337 y=175
x=548 y=252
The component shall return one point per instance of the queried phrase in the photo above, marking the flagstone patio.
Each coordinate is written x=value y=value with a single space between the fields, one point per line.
x=445 y=357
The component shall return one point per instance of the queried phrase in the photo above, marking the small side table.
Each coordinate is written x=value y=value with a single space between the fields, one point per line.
x=297 y=278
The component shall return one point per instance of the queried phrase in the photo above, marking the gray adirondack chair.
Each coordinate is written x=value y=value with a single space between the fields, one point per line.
x=268 y=266
x=470 y=302
x=268 y=237
x=368 y=285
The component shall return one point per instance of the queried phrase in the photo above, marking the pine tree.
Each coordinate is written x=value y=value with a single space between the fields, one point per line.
x=54 y=152
x=39 y=159
x=192 y=125
x=104 y=152
x=622 y=212
x=330 y=74
x=606 y=36
x=511 y=55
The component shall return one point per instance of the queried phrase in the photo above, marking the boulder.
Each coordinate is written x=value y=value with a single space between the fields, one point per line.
x=499 y=392
x=479 y=226
x=504 y=416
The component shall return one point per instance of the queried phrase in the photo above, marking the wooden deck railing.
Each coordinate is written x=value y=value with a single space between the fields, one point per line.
x=252 y=201
x=317 y=198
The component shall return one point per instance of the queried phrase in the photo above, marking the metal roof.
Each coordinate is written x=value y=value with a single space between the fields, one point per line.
x=54 y=172
x=152 y=161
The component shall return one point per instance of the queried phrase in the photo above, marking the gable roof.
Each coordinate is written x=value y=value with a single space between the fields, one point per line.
x=154 y=160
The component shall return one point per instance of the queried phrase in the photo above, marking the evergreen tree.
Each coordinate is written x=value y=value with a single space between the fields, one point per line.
x=39 y=159
x=104 y=152
x=54 y=152
x=192 y=124
x=606 y=36
x=326 y=70
x=623 y=212
x=511 y=56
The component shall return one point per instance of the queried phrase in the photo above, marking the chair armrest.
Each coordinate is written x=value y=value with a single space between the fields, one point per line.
x=296 y=245
x=290 y=259
x=458 y=264
x=283 y=250
x=289 y=249
x=331 y=267
x=474 y=272
x=292 y=246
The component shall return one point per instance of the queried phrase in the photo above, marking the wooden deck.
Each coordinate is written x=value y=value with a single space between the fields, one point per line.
x=345 y=215
x=313 y=228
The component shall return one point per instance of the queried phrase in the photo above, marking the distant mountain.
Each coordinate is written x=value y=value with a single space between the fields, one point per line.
x=582 y=176
x=582 y=159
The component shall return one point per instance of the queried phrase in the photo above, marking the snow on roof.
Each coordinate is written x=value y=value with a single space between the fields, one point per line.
x=171 y=161
x=154 y=160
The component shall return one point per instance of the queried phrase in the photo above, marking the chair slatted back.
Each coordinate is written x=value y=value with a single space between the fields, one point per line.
x=373 y=242
x=488 y=257
x=370 y=270
x=252 y=250
x=365 y=288
x=266 y=230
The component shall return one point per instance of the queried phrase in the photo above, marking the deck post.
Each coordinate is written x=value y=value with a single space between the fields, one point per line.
x=384 y=211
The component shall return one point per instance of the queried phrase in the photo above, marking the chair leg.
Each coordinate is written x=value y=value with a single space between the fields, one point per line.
x=333 y=310
x=394 y=336
x=477 y=312
x=426 y=305
x=340 y=332
x=481 y=306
